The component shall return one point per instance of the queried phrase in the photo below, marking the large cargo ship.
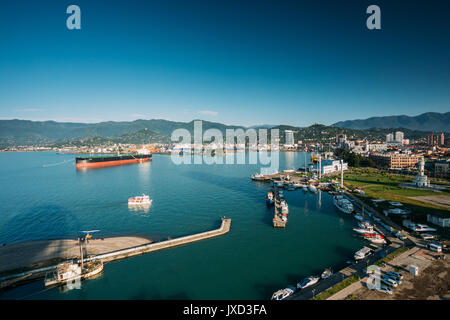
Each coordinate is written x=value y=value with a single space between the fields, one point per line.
x=106 y=161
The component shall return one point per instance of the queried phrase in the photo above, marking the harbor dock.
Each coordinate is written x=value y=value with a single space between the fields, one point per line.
x=39 y=257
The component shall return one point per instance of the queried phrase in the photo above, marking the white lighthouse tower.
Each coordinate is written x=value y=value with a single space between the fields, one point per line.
x=421 y=179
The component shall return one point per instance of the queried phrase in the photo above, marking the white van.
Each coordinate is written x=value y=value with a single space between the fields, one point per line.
x=434 y=247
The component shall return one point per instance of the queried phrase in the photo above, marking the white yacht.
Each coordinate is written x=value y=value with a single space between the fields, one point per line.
x=283 y=293
x=140 y=200
x=307 y=282
x=343 y=204
x=327 y=273
x=361 y=254
x=312 y=188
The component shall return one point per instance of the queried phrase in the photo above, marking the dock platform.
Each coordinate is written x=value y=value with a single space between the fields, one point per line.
x=39 y=268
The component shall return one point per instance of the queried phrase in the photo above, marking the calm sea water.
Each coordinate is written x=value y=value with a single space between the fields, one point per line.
x=250 y=262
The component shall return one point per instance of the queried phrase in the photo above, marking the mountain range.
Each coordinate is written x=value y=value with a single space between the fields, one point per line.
x=429 y=121
x=25 y=132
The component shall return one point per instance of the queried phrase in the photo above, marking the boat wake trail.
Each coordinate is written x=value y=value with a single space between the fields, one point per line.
x=55 y=164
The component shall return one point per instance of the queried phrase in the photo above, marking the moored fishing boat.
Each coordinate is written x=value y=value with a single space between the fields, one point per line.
x=312 y=188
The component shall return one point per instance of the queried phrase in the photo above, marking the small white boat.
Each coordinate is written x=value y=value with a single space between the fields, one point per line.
x=258 y=176
x=307 y=282
x=312 y=188
x=140 y=200
x=343 y=204
x=283 y=293
x=361 y=254
x=375 y=238
x=327 y=273
x=364 y=230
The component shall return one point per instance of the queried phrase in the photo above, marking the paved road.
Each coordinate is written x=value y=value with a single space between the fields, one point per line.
x=345 y=273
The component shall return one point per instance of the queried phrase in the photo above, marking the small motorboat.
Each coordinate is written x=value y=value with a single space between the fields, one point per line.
x=307 y=282
x=258 y=177
x=312 y=188
x=326 y=273
x=283 y=293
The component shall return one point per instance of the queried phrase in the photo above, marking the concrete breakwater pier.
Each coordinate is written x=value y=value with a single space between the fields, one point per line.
x=39 y=257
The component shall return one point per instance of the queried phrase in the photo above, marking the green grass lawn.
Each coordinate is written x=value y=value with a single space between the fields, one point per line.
x=377 y=184
x=338 y=287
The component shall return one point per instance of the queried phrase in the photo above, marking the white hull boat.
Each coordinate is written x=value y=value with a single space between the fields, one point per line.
x=283 y=293
x=307 y=282
x=140 y=200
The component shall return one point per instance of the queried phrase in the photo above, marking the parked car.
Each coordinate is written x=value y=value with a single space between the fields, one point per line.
x=395 y=274
x=390 y=276
x=384 y=289
x=400 y=235
x=433 y=246
x=390 y=282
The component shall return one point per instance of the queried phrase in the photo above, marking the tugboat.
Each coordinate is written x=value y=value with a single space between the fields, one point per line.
x=270 y=198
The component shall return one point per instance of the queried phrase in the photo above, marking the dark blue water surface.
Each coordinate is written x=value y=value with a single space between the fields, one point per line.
x=250 y=262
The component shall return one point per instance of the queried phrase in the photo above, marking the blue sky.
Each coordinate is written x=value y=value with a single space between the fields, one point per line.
x=237 y=62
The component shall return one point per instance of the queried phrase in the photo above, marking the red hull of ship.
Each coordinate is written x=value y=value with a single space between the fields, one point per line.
x=109 y=163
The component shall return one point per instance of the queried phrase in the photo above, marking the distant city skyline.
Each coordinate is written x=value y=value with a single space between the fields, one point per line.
x=234 y=62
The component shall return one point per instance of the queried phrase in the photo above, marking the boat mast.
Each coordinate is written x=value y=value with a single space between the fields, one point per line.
x=320 y=166
x=81 y=252
x=342 y=173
